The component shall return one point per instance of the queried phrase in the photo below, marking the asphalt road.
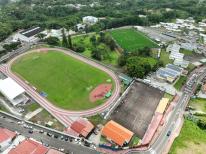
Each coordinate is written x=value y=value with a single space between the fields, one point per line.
x=68 y=146
x=159 y=145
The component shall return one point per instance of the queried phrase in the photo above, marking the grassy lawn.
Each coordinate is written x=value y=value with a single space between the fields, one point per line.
x=67 y=81
x=170 y=97
x=186 y=52
x=164 y=57
x=32 y=107
x=84 y=40
x=181 y=81
x=97 y=119
x=192 y=140
x=190 y=67
x=134 y=141
x=2 y=108
x=131 y=40
x=44 y=117
x=198 y=104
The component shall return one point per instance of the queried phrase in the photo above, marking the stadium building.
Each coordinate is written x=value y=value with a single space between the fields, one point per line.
x=12 y=91
x=28 y=35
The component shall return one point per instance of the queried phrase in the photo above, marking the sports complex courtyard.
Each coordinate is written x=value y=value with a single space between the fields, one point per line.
x=136 y=110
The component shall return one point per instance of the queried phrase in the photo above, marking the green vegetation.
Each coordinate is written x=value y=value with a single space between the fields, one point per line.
x=67 y=81
x=170 y=97
x=85 y=44
x=134 y=141
x=199 y=104
x=164 y=57
x=186 y=52
x=191 y=138
x=32 y=107
x=131 y=40
x=96 y=119
x=44 y=117
x=181 y=81
x=190 y=68
x=2 y=108
x=56 y=14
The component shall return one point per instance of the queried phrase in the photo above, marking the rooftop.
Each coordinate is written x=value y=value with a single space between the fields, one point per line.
x=117 y=133
x=29 y=146
x=6 y=134
x=10 y=88
x=31 y=31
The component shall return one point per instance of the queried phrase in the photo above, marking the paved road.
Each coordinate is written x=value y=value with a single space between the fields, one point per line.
x=70 y=147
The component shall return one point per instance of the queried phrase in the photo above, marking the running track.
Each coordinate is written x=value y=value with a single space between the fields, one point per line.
x=64 y=116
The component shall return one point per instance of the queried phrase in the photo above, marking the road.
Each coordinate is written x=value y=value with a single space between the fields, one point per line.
x=161 y=142
x=57 y=143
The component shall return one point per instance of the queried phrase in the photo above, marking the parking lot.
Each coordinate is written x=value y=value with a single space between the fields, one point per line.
x=136 y=110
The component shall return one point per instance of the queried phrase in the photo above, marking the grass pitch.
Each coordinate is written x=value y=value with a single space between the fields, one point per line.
x=131 y=40
x=66 y=81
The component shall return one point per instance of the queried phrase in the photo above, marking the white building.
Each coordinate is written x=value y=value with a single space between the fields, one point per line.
x=6 y=137
x=12 y=91
x=173 y=48
x=189 y=46
x=182 y=63
x=28 y=35
x=90 y=20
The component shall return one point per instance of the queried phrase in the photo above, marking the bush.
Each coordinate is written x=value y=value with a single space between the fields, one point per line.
x=79 y=49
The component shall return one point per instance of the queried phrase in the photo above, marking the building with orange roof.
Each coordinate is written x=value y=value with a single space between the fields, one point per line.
x=162 y=105
x=117 y=133
x=6 y=136
x=81 y=127
x=29 y=146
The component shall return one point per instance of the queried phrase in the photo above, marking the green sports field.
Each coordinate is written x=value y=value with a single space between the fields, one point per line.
x=67 y=81
x=131 y=40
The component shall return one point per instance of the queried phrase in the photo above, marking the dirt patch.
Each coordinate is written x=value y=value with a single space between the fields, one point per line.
x=136 y=110
x=99 y=92
x=193 y=148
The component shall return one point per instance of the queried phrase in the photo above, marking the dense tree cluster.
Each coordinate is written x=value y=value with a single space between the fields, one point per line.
x=137 y=64
x=63 y=13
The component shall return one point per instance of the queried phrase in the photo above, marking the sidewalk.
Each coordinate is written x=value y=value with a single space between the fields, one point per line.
x=32 y=114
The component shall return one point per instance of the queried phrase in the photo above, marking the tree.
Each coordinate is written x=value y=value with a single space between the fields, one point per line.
x=40 y=36
x=93 y=40
x=146 y=52
x=11 y=46
x=52 y=41
x=64 y=39
x=79 y=48
x=70 y=41
x=137 y=66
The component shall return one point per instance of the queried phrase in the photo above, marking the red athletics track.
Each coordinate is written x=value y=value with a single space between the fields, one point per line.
x=64 y=116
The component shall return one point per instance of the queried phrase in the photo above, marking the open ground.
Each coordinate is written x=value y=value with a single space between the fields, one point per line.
x=136 y=110
x=131 y=40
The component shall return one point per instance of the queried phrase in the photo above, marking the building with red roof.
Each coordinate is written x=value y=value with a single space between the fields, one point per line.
x=81 y=127
x=29 y=146
x=6 y=137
